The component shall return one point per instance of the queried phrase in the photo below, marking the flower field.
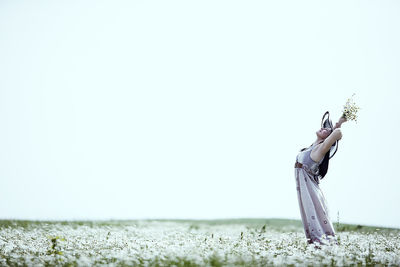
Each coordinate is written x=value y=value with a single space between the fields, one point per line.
x=251 y=242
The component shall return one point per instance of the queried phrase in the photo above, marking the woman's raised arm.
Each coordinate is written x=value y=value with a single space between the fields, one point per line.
x=339 y=123
x=330 y=140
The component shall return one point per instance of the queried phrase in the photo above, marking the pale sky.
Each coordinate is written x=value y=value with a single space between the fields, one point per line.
x=195 y=109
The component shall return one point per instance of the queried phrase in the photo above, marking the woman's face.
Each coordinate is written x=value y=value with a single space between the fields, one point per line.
x=323 y=132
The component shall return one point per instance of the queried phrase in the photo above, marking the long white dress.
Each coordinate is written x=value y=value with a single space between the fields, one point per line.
x=313 y=209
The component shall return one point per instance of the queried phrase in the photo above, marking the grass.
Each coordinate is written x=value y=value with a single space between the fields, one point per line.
x=275 y=224
x=177 y=242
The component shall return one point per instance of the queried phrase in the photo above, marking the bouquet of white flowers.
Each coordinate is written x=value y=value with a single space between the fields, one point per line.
x=350 y=110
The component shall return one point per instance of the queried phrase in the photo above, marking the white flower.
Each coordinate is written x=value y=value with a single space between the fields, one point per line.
x=166 y=243
x=350 y=109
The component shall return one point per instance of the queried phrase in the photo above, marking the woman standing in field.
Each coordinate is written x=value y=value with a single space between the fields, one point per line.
x=311 y=166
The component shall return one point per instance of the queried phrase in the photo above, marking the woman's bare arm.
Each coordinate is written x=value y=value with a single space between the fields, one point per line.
x=339 y=123
x=325 y=146
x=330 y=140
x=319 y=152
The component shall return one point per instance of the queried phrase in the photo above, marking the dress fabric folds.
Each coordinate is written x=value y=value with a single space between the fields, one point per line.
x=313 y=208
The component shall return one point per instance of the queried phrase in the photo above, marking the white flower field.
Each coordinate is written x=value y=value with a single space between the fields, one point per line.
x=188 y=243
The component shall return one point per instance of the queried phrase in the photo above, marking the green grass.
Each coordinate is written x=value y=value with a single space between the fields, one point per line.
x=274 y=224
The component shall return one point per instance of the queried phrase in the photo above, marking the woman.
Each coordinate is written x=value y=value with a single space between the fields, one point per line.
x=311 y=166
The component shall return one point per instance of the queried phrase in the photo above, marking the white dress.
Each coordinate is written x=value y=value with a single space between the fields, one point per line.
x=313 y=209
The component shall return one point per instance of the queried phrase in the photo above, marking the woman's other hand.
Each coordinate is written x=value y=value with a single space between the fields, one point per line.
x=339 y=123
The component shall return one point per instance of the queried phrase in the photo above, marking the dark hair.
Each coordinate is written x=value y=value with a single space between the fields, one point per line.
x=323 y=167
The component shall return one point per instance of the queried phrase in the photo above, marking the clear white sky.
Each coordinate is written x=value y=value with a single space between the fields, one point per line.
x=195 y=109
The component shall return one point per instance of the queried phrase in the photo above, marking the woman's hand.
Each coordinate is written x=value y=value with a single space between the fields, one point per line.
x=339 y=123
x=342 y=119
